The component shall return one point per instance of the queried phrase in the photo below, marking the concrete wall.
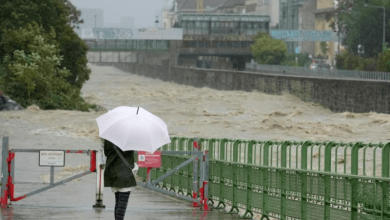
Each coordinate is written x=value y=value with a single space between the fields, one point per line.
x=336 y=94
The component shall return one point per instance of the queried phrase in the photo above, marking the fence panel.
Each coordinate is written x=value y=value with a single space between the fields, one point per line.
x=291 y=180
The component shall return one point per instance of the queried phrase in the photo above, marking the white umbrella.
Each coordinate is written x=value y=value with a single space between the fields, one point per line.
x=133 y=128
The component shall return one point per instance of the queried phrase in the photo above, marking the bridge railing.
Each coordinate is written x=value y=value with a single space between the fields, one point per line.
x=323 y=72
x=127 y=45
x=293 y=180
x=216 y=44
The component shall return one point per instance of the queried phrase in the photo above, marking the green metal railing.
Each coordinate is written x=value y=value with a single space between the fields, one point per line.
x=289 y=180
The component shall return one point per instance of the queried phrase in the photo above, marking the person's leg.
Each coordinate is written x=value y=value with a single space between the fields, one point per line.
x=116 y=203
x=123 y=199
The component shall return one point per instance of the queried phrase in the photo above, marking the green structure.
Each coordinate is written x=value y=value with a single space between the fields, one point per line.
x=288 y=179
x=223 y=24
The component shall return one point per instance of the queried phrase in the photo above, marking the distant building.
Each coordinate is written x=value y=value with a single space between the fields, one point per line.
x=325 y=6
x=127 y=22
x=167 y=15
x=175 y=7
x=233 y=6
x=264 y=7
x=290 y=18
x=227 y=24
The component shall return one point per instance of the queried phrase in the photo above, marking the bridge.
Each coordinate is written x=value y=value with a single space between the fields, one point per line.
x=207 y=39
x=178 y=51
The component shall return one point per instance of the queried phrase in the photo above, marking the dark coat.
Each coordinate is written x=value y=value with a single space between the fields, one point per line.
x=116 y=173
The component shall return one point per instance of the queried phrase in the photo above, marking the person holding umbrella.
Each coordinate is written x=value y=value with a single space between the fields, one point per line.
x=119 y=177
x=125 y=130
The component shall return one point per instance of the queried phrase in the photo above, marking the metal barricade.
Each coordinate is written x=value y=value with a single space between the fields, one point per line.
x=8 y=173
x=184 y=173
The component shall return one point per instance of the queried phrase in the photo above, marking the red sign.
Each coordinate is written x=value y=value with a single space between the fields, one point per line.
x=146 y=159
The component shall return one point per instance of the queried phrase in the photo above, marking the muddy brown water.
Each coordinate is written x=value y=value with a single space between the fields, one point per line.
x=188 y=112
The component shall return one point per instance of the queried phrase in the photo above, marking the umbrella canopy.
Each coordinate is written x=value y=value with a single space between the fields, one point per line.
x=133 y=128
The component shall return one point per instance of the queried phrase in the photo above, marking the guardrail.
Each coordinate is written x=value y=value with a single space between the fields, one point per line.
x=327 y=73
x=291 y=180
x=127 y=45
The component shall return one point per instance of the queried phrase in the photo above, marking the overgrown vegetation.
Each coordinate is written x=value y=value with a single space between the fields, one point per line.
x=42 y=60
x=361 y=25
x=351 y=61
x=324 y=48
x=267 y=50
x=303 y=60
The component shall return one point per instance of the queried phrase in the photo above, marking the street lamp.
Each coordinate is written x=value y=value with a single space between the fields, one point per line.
x=384 y=22
x=156 y=22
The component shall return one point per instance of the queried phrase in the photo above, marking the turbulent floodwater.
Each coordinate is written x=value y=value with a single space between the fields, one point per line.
x=189 y=112
x=198 y=112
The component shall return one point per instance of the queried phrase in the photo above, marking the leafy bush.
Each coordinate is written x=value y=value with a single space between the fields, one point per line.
x=267 y=50
x=351 y=61
x=384 y=61
x=34 y=75
x=289 y=63
x=303 y=59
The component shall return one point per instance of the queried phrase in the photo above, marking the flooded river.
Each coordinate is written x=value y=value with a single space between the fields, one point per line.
x=193 y=112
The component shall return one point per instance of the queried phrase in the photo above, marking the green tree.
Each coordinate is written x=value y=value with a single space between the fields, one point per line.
x=267 y=50
x=324 y=48
x=384 y=61
x=361 y=25
x=58 y=15
x=38 y=74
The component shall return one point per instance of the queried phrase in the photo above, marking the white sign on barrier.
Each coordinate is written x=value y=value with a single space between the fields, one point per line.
x=54 y=158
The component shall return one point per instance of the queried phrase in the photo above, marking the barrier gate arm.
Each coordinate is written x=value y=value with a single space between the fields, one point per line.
x=151 y=185
x=8 y=156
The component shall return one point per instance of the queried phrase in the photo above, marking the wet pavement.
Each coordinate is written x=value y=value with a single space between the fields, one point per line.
x=74 y=200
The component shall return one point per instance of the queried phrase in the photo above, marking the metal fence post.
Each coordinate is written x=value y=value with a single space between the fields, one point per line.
x=195 y=174
x=327 y=183
x=206 y=181
x=385 y=173
x=282 y=174
x=354 y=181
x=13 y=169
x=99 y=179
x=303 y=177
x=265 y=179
x=4 y=173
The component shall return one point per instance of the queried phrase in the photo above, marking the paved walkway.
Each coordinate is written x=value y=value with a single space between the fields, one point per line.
x=74 y=200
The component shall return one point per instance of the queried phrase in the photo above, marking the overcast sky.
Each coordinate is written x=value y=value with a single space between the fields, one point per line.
x=144 y=11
